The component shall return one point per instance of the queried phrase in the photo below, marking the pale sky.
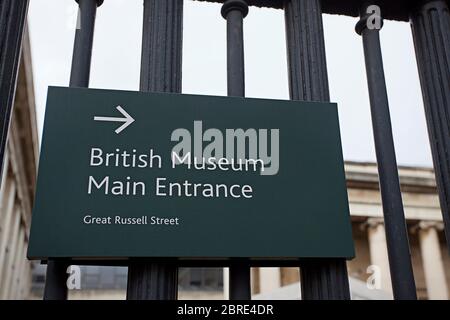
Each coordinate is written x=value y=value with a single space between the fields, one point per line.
x=116 y=61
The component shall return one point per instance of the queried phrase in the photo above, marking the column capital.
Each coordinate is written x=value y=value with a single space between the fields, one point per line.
x=425 y=225
x=433 y=266
x=371 y=223
x=230 y=5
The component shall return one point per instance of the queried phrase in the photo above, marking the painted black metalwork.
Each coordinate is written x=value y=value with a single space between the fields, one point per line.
x=160 y=72
x=56 y=276
x=392 y=10
x=82 y=49
x=403 y=285
x=152 y=280
x=55 y=280
x=308 y=80
x=12 y=23
x=239 y=281
x=430 y=23
x=234 y=11
x=324 y=279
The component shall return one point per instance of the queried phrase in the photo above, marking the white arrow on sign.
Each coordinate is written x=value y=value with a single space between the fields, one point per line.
x=127 y=119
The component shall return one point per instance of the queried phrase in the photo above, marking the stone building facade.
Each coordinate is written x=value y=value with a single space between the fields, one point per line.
x=431 y=261
x=18 y=183
x=430 y=257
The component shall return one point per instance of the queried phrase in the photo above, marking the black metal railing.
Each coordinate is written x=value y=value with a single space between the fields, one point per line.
x=308 y=80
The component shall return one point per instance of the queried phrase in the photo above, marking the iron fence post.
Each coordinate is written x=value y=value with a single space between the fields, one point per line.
x=430 y=23
x=56 y=274
x=403 y=285
x=160 y=72
x=308 y=81
x=234 y=11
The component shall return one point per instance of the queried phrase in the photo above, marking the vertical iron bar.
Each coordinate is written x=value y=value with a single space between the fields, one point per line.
x=160 y=72
x=12 y=24
x=234 y=11
x=239 y=281
x=308 y=80
x=84 y=39
x=55 y=280
x=56 y=275
x=324 y=279
x=430 y=23
x=394 y=218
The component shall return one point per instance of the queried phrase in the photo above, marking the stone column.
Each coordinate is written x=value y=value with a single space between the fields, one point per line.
x=430 y=23
x=432 y=260
x=21 y=268
x=10 y=255
x=25 y=279
x=269 y=279
x=8 y=211
x=18 y=260
x=226 y=281
x=254 y=280
x=378 y=251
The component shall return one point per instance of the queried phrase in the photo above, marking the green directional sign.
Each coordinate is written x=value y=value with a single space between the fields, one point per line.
x=129 y=174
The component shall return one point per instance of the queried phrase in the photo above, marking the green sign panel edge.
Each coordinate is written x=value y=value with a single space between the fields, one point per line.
x=301 y=211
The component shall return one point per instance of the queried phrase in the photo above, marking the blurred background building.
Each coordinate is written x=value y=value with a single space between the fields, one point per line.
x=18 y=183
x=20 y=279
x=369 y=271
